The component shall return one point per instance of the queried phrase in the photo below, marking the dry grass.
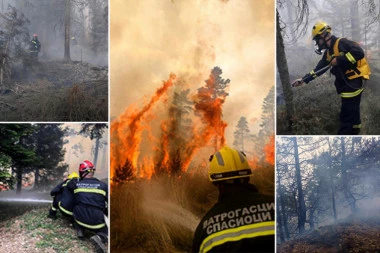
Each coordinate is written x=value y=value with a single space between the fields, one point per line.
x=43 y=101
x=159 y=215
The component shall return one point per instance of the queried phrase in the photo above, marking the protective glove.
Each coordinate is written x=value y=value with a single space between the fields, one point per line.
x=297 y=82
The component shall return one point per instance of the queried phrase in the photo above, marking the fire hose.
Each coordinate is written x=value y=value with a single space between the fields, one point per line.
x=298 y=82
x=30 y=200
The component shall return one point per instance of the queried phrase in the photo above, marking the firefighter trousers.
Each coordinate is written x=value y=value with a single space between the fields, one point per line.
x=350 y=122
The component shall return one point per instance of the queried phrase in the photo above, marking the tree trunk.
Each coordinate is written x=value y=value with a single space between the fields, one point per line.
x=344 y=165
x=355 y=24
x=283 y=218
x=96 y=151
x=36 y=178
x=67 y=30
x=19 y=180
x=282 y=67
x=301 y=199
x=332 y=184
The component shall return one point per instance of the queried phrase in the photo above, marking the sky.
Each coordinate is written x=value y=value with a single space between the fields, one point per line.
x=151 y=39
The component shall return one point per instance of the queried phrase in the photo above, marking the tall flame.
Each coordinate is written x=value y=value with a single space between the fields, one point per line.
x=269 y=151
x=125 y=146
x=178 y=142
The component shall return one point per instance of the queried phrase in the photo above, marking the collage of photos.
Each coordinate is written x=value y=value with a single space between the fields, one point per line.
x=189 y=126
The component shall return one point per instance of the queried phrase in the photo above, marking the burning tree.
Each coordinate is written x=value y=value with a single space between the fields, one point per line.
x=209 y=105
x=182 y=134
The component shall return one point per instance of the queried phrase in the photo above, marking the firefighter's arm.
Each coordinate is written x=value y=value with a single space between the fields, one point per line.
x=351 y=53
x=314 y=73
x=56 y=190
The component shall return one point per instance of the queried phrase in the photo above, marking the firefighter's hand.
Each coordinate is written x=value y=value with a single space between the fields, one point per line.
x=297 y=82
x=334 y=62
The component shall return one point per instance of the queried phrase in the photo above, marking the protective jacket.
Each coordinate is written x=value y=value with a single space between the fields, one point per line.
x=241 y=221
x=66 y=202
x=90 y=197
x=56 y=193
x=351 y=69
x=35 y=45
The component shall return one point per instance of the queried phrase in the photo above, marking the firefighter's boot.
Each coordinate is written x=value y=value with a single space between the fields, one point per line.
x=100 y=246
x=80 y=232
x=52 y=214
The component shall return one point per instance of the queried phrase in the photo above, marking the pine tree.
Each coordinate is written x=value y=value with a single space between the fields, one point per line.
x=241 y=134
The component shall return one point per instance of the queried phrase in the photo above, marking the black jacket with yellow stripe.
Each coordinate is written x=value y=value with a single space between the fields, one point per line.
x=241 y=221
x=351 y=69
x=90 y=197
x=66 y=201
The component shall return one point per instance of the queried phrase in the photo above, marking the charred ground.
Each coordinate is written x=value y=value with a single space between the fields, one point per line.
x=354 y=234
x=56 y=91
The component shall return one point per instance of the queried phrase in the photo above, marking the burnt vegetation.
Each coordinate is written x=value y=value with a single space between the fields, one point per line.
x=68 y=80
x=327 y=194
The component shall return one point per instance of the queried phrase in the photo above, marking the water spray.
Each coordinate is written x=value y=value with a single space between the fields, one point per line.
x=28 y=200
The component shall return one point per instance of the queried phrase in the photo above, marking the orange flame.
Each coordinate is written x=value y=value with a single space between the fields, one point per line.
x=126 y=146
x=269 y=151
x=178 y=143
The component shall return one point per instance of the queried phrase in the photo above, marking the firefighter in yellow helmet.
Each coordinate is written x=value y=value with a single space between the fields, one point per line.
x=243 y=219
x=350 y=67
x=60 y=195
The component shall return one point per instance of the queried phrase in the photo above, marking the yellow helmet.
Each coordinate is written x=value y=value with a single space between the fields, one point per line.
x=228 y=163
x=73 y=175
x=319 y=28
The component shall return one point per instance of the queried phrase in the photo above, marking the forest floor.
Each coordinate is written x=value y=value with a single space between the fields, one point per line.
x=351 y=235
x=55 y=91
x=24 y=227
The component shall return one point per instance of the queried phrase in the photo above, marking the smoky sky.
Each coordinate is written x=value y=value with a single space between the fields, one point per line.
x=150 y=39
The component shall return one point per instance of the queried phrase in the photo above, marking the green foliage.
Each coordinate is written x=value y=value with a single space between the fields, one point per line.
x=94 y=131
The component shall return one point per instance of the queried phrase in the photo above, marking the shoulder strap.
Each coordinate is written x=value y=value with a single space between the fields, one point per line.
x=336 y=47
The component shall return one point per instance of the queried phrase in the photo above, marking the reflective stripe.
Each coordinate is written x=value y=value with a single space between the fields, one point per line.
x=236 y=234
x=350 y=58
x=242 y=157
x=312 y=73
x=219 y=158
x=357 y=126
x=64 y=210
x=351 y=94
x=90 y=226
x=99 y=191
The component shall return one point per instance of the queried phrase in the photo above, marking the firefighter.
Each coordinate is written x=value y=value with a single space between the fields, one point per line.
x=243 y=219
x=59 y=195
x=350 y=68
x=66 y=202
x=91 y=197
x=35 y=47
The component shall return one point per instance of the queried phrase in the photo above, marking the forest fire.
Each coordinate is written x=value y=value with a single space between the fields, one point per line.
x=125 y=146
x=181 y=134
x=174 y=125
x=269 y=151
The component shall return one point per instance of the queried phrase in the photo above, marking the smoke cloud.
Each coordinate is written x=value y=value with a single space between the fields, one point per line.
x=151 y=39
